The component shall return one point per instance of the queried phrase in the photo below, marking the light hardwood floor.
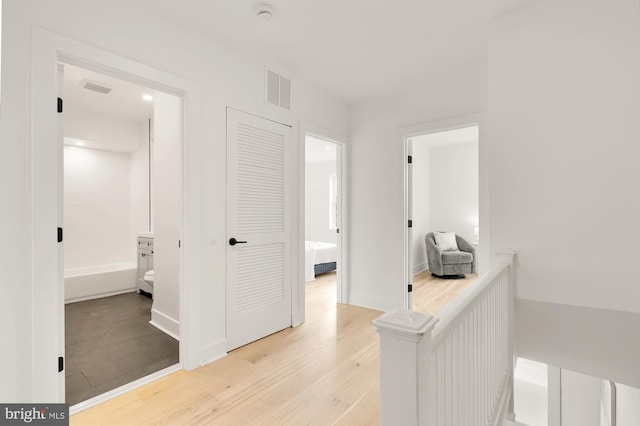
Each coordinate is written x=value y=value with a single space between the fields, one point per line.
x=325 y=371
x=432 y=294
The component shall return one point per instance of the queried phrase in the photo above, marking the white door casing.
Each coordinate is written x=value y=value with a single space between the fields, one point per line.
x=341 y=294
x=409 y=240
x=259 y=217
x=60 y=272
x=47 y=334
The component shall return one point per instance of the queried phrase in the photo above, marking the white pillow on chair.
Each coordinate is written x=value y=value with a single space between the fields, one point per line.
x=446 y=241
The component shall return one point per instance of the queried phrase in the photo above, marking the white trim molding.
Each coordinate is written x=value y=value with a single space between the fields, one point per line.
x=404 y=133
x=165 y=323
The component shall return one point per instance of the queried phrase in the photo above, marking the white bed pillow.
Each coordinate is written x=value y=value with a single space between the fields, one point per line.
x=446 y=241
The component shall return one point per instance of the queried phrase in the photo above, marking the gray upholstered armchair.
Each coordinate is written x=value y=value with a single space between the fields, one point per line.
x=451 y=263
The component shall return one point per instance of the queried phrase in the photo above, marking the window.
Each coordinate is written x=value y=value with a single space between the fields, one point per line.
x=333 y=201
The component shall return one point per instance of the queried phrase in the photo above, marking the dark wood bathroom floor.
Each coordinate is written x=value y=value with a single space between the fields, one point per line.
x=109 y=342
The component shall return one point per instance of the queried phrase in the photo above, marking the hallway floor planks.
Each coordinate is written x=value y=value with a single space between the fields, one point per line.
x=431 y=294
x=326 y=371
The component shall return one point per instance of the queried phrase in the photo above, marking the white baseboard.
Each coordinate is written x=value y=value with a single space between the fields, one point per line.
x=367 y=301
x=99 y=296
x=420 y=267
x=165 y=323
x=297 y=318
x=214 y=352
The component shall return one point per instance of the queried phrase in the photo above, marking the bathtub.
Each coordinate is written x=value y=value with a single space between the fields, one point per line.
x=92 y=282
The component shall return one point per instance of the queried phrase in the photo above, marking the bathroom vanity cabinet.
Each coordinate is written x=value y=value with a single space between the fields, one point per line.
x=145 y=262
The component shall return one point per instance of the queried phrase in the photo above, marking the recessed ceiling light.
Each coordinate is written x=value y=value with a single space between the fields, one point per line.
x=80 y=143
x=264 y=12
x=147 y=97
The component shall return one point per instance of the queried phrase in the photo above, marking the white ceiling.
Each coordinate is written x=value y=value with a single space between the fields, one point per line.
x=448 y=137
x=354 y=49
x=124 y=101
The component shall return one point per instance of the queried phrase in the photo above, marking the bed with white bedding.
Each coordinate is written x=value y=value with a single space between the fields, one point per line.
x=319 y=258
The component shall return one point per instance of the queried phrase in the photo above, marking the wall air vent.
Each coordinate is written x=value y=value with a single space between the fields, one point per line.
x=278 y=90
x=95 y=86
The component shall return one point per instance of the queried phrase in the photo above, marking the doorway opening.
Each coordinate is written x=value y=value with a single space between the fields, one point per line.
x=442 y=192
x=120 y=202
x=323 y=195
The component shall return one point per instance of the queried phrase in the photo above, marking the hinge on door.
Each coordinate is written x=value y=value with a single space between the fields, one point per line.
x=410 y=159
x=337 y=230
x=59 y=104
x=60 y=364
x=410 y=288
x=410 y=223
x=179 y=244
x=59 y=235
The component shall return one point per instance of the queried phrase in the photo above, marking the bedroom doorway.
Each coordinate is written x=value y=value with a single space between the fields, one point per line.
x=323 y=268
x=443 y=192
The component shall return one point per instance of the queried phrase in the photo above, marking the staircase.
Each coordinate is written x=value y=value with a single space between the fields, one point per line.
x=456 y=368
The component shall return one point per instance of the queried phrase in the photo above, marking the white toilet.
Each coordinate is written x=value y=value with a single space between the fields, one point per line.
x=148 y=277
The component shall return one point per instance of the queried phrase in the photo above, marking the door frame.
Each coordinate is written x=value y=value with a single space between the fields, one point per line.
x=47 y=49
x=342 y=285
x=478 y=119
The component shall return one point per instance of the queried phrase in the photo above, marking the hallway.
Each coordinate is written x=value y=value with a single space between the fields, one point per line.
x=326 y=371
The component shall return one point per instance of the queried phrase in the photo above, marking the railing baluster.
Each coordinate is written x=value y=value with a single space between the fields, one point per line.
x=467 y=372
x=455 y=372
x=476 y=363
x=448 y=362
x=442 y=402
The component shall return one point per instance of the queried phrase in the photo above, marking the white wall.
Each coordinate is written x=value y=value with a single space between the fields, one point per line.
x=96 y=207
x=225 y=77
x=376 y=175
x=454 y=189
x=16 y=308
x=105 y=199
x=317 y=201
x=104 y=131
x=588 y=340
x=421 y=204
x=564 y=104
x=445 y=192
x=139 y=188
x=166 y=205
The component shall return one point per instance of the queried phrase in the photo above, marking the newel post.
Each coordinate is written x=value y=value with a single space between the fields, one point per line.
x=405 y=365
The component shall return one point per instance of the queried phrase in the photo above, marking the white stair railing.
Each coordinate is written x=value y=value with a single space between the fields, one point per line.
x=456 y=368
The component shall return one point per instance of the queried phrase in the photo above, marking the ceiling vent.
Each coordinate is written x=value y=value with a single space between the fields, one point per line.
x=278 y=90
x=95 y=86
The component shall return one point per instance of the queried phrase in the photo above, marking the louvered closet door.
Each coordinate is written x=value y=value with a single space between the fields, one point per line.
x=258 y=212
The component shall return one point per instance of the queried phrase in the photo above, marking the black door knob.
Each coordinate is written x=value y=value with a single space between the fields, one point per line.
x=233 y=242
